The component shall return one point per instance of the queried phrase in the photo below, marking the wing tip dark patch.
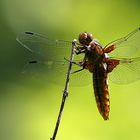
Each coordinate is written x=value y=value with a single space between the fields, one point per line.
x=30 y=33
x=139 y=28
x=33 y=61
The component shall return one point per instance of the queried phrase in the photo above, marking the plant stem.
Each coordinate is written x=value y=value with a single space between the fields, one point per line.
x=65 y=92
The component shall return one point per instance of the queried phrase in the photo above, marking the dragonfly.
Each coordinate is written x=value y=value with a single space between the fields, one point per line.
x=119 y=61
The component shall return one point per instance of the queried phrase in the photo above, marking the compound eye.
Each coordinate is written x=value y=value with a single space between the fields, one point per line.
x=82 y=36
x=90 y=36
x=85 y=38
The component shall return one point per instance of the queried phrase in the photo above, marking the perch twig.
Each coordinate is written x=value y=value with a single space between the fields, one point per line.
x=65 y=92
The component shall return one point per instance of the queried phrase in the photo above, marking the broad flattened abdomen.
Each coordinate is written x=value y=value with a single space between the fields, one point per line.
x=101 y=90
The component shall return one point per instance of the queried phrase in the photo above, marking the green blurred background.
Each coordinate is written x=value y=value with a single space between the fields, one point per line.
x=29 y=106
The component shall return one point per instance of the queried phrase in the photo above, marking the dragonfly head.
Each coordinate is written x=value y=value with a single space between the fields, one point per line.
x=85 y=38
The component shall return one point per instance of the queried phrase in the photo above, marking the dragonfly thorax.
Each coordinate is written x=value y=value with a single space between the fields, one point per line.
x=94 y=47
x=94 y=51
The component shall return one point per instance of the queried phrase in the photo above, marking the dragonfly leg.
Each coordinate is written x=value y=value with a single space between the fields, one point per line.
x=75 y=63
x=77 y=71
x=79 y=50
x=81 y=64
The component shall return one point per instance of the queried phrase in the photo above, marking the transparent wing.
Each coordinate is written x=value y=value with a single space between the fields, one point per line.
x=128 y=46
x=127 y=71
x=44 y=47
x=127 y=50
x=48 y=58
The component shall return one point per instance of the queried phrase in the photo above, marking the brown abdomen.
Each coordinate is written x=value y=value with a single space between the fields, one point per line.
x=101 y=90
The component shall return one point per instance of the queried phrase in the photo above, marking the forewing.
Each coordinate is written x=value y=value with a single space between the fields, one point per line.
x=44 y=47
x=126 y=47
x=48 y=54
